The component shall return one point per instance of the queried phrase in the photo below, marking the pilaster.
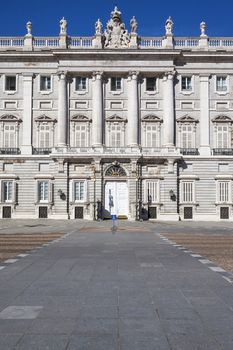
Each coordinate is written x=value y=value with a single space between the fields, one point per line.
x=204 y=116
x=168 y=108
x=26 y=147
x=62 y=110
x=97 y=120
x=132 y=110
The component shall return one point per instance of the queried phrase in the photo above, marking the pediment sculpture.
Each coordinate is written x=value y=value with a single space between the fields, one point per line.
x=116 y=35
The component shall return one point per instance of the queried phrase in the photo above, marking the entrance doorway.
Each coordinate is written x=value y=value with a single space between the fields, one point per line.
x=116 y=199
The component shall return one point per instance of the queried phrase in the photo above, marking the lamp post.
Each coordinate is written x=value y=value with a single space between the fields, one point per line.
x=149 y=198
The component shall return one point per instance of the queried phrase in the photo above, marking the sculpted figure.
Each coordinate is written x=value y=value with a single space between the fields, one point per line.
x=29 y=28
x=169 y=26
x=63 y=26
x=134 y=25
x=125 y=38
x=203 y=28
x=98 y=27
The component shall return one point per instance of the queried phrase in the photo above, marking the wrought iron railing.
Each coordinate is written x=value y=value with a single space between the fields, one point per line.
x=189 y=151
x=10 y=150
x=41 y=150
x=223 y=151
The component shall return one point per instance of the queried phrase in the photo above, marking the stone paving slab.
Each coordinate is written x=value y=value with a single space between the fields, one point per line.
x=130 y=290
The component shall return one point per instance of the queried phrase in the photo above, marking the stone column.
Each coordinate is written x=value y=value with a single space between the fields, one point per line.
x=132 y=110
x=27 y=114
x=204 y=116
x=97 y=119
x=168 y=109
x=62 y=110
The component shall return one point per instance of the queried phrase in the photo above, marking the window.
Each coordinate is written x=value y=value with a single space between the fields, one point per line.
x=186 y=136
x=116 y=84
x=45 y=83
x=79 y=190
x=44 y=136
x=186 y=83
x=7 y=191
x=152 y=192
x=10 y=83
x=80 y=84
x=222 y=136
x=223 y=191
x=187 y=192
x=81 y=135
x=9 y=136
x=115 y=135
x=221 y=84
x=150 y=84
x=151 y=136
x=43 y=191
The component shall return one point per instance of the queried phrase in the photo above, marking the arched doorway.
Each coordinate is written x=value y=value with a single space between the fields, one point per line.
x=116 y=192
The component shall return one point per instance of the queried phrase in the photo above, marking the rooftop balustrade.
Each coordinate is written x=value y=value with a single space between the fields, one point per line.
x=143 y=43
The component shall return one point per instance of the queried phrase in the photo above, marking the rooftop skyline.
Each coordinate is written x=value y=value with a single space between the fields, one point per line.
x=151 y=16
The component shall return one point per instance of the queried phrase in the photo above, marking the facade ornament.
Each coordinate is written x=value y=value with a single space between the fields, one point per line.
x=134 y=25
x=169 y=26
x=115 y=34
x=203 y=29
x=29 y=28
x=63 y=26
x=98 y=27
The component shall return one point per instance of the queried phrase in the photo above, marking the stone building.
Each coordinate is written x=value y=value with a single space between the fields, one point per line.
x=116 y=123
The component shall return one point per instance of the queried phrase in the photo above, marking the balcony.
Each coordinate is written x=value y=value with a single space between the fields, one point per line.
x=42 y=150
x=223 y=151
x=10 y=151
x=189 y=151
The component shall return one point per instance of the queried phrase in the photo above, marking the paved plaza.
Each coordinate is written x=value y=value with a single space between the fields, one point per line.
x=101 y=290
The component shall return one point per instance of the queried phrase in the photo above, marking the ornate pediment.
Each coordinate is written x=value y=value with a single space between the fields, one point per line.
x=9 y=118
x=222 y=119
x=80 y=118
x=115 y=118
x=115 y=34
x=187 y=119
x=44 y=118
x=151 y=118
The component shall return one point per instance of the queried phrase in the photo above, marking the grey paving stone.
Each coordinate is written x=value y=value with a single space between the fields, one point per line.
x=9 y=341
x=95 y=327
x=100 y=342
x=43 y=342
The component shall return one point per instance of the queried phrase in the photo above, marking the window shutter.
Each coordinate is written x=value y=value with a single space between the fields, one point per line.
x=1 y=194
x=37 y=192
x=51 y=185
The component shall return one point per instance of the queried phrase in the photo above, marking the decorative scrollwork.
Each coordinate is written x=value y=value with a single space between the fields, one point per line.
x=115 y=170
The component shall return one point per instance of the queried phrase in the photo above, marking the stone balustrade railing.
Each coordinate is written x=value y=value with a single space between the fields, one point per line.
x=193 y=43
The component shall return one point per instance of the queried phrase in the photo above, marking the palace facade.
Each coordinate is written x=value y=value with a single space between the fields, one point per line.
x=140 y=127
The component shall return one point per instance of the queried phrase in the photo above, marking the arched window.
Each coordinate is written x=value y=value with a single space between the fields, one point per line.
x=80 y=126
x=116 y=171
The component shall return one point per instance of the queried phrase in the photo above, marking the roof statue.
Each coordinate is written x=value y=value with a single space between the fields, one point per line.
x=29 y=28
x=134 y=25
x=63 y=26
x=115 y=34
x=98 y=27
x=203 y=29
x=169 y=26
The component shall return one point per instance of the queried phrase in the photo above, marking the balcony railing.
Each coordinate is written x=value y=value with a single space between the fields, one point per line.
x=189 y=151
x=42 y=150
x=223 y=151
x=10 y=151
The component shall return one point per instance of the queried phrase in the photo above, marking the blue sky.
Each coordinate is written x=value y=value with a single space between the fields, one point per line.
x=151 y=15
